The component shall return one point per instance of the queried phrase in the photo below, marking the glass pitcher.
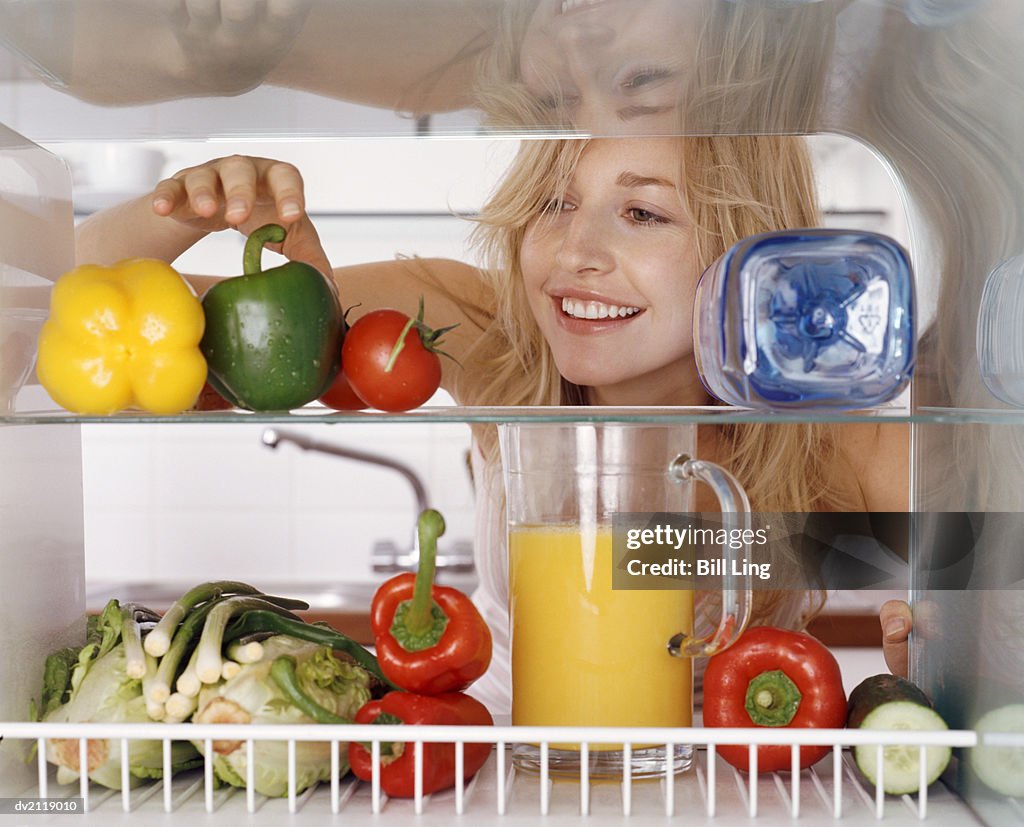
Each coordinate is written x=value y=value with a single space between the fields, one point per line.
x=583 y=653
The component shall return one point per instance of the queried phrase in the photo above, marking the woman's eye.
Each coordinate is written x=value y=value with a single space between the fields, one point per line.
x=642 y=216
x=645 y=77
x=555 y=205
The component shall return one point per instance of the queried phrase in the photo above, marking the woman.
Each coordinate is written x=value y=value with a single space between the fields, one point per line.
x=593 y=251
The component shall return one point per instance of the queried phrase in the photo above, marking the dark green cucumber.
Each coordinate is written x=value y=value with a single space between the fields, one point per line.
x=877 y=690
x=886 y=702
x=1000 y=767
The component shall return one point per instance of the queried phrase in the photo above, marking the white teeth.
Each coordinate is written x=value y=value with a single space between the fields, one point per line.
x=579 y=309
x=569 y=5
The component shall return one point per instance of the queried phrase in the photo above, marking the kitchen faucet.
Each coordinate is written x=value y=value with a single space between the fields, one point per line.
x=386 y=557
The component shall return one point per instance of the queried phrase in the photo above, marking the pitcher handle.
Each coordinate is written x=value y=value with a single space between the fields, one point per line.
x=736 y=589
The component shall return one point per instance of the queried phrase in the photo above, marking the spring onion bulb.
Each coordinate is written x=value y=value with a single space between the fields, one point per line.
x=210 y=662
x=188 y=681
x=250 y=652
x=229 y=669
x=131 y=634
x=160 y=688
x=154 y=709
x=180 y=707
x=158 y=641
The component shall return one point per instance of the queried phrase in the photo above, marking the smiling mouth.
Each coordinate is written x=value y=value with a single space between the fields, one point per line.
x=570 y=5
x=580 y=309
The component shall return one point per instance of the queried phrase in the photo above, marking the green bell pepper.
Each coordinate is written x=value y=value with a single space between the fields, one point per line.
x=273 y=337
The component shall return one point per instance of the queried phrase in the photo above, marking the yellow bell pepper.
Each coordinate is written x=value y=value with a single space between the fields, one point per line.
x=122 y=337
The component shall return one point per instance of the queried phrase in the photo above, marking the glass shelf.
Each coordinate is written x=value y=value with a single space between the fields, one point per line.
x=468 y=414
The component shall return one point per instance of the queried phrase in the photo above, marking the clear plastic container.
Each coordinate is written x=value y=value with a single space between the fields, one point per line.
x=1001 y=332
x=806 y=319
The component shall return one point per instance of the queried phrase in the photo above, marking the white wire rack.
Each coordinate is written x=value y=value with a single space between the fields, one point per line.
x=832 y=789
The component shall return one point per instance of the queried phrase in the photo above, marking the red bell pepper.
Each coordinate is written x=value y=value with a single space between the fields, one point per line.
x=398 y=760
x=429 y=639
x=776 y=678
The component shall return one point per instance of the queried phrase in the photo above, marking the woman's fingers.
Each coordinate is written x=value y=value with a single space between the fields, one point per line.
x=896 y=621
x=233 y=191
x=167 y=196
x=286 y=186
x=202 y=184
x=239 y=180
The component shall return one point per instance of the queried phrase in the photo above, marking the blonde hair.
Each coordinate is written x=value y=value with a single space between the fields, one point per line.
x=732 y=187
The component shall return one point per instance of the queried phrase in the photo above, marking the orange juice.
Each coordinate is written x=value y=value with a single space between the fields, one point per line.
x=583 y=654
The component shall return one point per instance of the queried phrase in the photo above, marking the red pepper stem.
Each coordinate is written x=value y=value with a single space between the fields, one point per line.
x=252 y=255
x=419 y=617
x=772 y=699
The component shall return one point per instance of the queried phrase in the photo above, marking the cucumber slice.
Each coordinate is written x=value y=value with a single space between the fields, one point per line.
x=1000 y=768
x=901 y=764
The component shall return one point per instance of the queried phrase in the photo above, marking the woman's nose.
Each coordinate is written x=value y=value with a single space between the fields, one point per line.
x=584 y=247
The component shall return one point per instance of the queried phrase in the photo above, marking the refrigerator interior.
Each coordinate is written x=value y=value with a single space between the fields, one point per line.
x=932 y=89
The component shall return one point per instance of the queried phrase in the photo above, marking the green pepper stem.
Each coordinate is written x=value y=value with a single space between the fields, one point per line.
x=419 y=617
x=772 y=699
x=282 y=672
x=252 y=255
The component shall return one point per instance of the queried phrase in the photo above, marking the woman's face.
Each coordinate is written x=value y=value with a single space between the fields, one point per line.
x=610 y=275
x=611 y=67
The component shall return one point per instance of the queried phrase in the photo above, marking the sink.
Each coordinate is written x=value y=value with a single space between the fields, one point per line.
x=323 y=596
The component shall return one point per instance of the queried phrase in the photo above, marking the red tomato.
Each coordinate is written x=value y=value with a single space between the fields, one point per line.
x=367 y=349
x=210 y=400
x=341 y=397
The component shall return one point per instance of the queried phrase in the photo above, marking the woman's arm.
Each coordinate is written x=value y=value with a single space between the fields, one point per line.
x=406 y=55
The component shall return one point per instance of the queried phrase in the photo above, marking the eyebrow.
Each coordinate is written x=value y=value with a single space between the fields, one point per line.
x=631 y=179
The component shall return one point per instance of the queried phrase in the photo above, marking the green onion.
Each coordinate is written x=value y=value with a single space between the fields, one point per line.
x=210 y=662
x=180 y=707
x=158 y=641
x=160 y=687
x=154 y=710
x=131 y=634
x=188 y=681
x=250 y=652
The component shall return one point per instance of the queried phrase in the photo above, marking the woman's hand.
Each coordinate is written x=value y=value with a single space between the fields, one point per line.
x=896 y=621
x=244 y=193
